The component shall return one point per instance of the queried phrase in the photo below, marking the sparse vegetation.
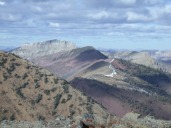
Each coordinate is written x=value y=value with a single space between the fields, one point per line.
x=31 y=95
x=151 y=75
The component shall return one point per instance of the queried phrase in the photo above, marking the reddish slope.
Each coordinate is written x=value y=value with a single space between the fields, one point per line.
x=67 y=64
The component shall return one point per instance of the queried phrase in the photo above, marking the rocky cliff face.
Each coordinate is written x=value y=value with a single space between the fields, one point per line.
x=34 y=50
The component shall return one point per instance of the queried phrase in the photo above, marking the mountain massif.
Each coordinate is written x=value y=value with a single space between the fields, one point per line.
x=29 y=51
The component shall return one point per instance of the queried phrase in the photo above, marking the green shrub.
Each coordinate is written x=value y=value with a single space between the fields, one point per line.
x=5 y=76
x=16 y=64
x=17 y=76
x=10 y=69
x=72 y=111
x=46 y=80
x=18 y=91
x=41 y=118
x=25 y=76
x=55 y=80
x=24 y=85
x=69 y=96
x=63 y=101
x=39 y=98
x=47 y=92
x=66 y=88
x=57 y=100
x=37 y=85
x=12 y=117
x=3 y=61
x=54 y=89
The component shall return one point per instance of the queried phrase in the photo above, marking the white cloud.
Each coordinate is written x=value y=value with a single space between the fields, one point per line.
x=2 y=3
x=9 y=17
x=132 y=16
x=167 y=9
x=160 y=13
x=118 y=34
x=37 y=9
x=99 y=15
x=53 y=24
x=30 y=23
x=102 y=15
x=153 y=1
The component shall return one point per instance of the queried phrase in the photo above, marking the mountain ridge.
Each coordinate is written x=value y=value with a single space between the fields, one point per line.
x=31 y=93
x=66 y=64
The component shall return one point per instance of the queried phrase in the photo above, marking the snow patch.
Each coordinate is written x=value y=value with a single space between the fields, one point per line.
x=140 y=90
x=113 y=70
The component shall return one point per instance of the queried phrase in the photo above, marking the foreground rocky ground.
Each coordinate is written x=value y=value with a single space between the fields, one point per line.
x=131 y=120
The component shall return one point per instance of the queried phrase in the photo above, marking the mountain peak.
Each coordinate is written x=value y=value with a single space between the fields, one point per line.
x=34 y=50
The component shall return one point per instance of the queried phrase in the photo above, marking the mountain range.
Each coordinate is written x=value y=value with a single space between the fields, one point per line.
x=122 y=82
x=151 y=58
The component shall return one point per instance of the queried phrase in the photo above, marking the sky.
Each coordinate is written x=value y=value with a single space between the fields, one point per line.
x=109 y=24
